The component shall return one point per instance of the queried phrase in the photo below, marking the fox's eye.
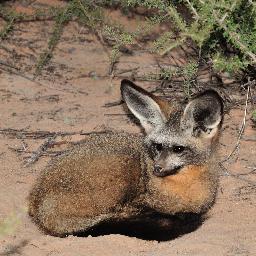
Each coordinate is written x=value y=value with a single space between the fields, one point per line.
x=158 y=146
x=178 y=149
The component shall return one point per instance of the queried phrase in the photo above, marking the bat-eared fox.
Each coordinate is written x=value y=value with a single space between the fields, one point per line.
x=109 y=177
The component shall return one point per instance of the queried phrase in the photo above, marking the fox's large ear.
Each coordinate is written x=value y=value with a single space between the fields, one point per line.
x=143 y=105
x=203 y=115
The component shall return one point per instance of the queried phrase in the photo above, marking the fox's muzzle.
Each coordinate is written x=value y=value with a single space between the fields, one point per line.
x=162 y=172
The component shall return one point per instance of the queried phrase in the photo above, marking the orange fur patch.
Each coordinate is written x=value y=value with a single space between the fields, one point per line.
x=189 y=185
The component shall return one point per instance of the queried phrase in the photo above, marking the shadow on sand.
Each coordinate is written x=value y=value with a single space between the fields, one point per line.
x=154 y=227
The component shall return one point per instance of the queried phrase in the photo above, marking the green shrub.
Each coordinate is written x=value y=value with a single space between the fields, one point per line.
x=224 y=30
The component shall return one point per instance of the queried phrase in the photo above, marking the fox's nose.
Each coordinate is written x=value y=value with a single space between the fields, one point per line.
x=158 y=170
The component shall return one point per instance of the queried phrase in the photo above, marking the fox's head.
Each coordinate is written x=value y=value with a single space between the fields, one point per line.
x=176 y=136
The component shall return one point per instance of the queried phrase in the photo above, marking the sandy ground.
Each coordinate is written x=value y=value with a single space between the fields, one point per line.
x=70 y=97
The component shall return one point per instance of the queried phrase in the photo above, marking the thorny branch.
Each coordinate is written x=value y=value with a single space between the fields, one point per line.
x=235 y=37
x=193 y=9
x=226 y=14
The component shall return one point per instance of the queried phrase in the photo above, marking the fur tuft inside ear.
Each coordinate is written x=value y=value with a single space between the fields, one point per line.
x=203 y=115
x=142 y=104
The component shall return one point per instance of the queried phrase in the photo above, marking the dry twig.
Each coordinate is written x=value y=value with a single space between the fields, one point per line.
x=36 y=155
x=238 y=176
x=241 y=131
x=246 y=173
x=22 y=133
x=113 y=104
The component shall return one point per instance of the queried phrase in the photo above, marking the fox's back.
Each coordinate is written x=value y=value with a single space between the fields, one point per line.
x=107 y=163
x=101 y=174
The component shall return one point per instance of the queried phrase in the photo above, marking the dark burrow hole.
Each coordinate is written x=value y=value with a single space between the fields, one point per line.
x=154 y=227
